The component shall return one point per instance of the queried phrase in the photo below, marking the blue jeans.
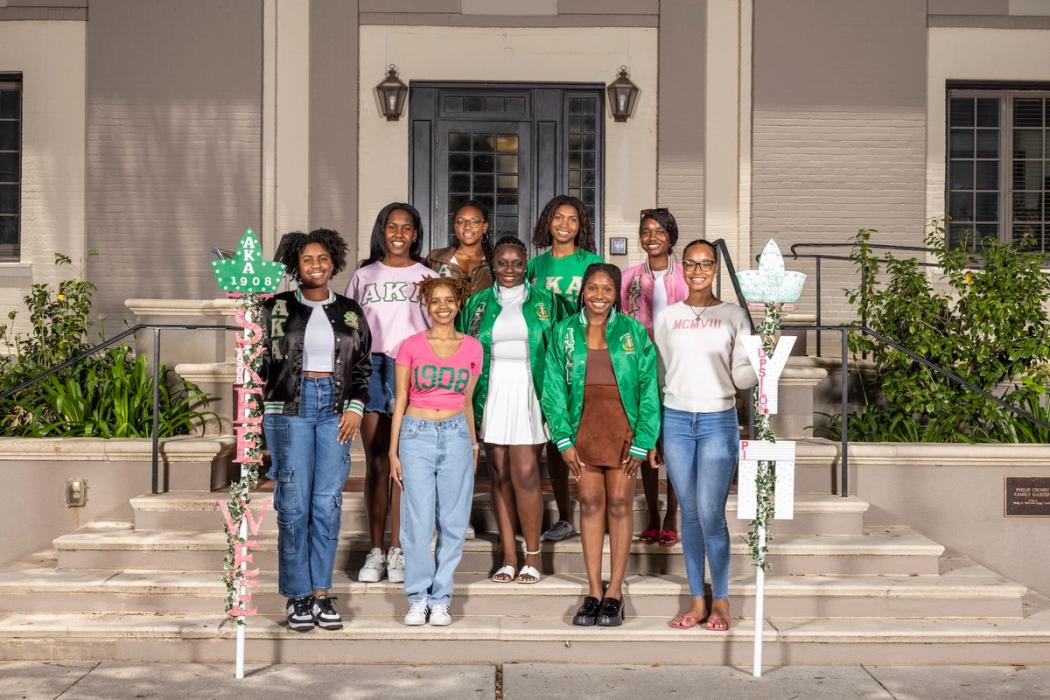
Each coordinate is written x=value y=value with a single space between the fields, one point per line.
x=437 y=468
x=309 y=467
x=381 y=385
x=700 y=450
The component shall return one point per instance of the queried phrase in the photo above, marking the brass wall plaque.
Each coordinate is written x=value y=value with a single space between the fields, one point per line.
x=1027 y=497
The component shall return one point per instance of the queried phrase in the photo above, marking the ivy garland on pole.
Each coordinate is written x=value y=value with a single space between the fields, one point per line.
x=767 y=468
x=768 y=330
x=249 y=279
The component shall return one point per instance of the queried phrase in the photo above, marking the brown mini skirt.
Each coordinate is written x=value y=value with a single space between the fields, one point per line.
x=604 y=435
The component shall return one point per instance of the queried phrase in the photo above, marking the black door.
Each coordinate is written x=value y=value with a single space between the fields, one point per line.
x=508 y=145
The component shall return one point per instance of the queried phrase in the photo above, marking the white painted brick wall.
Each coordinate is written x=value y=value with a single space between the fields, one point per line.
x=820 y=175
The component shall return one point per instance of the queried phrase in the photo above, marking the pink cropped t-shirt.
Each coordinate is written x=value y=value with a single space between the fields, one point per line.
x=434 y=382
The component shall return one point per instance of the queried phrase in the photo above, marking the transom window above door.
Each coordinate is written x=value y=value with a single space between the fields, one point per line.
x=509 y=146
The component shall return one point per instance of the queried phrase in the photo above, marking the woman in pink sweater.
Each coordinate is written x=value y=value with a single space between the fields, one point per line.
x=649 y=288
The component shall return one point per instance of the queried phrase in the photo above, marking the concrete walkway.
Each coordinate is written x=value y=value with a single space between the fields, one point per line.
x=82 y=681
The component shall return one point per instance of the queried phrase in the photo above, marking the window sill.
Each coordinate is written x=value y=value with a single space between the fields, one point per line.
x=15 y=270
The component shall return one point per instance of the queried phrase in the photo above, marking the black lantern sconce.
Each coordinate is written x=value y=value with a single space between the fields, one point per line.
x=392 y=93
x=623 y=94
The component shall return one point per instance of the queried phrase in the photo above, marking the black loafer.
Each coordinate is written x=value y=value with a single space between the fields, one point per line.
x=587 y=613
x=611 y=613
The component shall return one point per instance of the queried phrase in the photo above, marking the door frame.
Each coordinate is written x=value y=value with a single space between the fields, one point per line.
x=549 y=144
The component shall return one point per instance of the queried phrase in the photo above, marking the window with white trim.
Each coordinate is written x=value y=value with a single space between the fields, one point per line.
x=10 y=164
x=998 y=169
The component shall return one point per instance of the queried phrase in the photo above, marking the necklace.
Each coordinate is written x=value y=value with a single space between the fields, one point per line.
x=703 y=309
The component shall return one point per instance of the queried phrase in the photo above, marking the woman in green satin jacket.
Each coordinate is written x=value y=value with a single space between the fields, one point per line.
x=513 y=320
x=602 y=404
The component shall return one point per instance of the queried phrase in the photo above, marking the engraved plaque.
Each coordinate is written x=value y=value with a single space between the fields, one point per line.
x=1027 y=497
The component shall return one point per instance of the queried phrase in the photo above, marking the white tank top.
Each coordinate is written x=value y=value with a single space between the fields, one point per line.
x=319 y=343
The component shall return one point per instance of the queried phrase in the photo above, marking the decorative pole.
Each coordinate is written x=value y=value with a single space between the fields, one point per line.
x=249 y=279
x=767 y=467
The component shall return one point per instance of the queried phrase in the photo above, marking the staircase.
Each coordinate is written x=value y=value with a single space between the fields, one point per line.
x=145 y=585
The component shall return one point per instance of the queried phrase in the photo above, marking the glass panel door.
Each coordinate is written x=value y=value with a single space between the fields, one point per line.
x=488 y=162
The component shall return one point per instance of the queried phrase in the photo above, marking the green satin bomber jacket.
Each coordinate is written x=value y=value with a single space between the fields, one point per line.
x=634 y=364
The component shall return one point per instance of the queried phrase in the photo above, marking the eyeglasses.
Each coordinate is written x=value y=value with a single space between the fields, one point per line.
x=704 y=265
x=474 y=223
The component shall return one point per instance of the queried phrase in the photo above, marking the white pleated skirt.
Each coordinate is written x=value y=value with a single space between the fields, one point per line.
x=512 y=411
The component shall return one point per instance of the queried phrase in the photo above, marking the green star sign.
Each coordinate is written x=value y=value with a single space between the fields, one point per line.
x=247 y=271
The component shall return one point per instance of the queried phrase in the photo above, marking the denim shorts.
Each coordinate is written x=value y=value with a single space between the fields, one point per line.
x=381 y=385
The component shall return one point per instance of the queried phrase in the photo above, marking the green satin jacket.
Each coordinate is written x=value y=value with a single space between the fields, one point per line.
x=634 y=364
x=541 y=309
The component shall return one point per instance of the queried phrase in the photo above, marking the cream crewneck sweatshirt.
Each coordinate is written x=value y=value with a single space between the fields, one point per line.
x=702 y=360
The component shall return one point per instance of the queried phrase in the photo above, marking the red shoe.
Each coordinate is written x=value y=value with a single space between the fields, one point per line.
x=649 y=535
x=667 y=538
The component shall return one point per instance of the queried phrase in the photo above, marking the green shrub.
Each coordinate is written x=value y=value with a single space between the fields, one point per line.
x=990 y=328
x=108 y=394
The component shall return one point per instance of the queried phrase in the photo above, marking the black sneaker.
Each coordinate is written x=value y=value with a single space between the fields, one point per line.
x=300 y=618
x=325 y=614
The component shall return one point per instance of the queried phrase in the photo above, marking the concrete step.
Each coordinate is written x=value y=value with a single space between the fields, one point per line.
x=883 y=550
x=964 y=589
x=198 y=510
x=505 y=639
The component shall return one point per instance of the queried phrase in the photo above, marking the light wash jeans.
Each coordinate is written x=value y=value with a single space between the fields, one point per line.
x=309 y=467
x=700 y=450
x=437 y=467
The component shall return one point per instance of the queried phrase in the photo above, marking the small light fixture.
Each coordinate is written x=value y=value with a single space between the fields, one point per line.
x=623 y=94
x=76 y=493
x=618 y=245
x=392 y=93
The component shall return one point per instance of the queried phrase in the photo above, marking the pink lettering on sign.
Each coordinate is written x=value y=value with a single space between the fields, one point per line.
x=242 y=556
x=743 y=449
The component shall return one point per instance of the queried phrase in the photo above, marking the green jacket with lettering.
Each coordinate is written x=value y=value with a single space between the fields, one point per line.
x=541 y=309
x=634 y=364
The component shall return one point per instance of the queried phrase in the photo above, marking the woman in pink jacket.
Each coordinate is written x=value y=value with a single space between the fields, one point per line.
x=648 y=288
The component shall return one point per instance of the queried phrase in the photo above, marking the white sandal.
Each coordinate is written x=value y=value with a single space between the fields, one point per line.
x=505 y=570
x=529 y=570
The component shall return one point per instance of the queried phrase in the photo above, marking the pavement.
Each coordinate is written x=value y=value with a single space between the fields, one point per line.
x=82 y=681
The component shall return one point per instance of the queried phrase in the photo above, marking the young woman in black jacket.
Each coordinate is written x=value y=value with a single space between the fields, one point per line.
x=316 y=363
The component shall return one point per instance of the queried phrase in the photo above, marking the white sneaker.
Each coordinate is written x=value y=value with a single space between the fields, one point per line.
x=440 y=616
x=470 y=534
x=375 y=564
x=417 y=614
x=395 y=565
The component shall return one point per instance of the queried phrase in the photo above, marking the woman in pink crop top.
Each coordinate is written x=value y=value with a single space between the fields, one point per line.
x=433 y=449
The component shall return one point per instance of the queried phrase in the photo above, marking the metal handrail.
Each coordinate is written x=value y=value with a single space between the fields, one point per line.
x=845 y=330
x=818 y=257
x=156 y=328
x=721 y=245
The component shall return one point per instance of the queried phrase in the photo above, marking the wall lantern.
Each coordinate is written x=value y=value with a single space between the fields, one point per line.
x=392 y=93
x=623 y=94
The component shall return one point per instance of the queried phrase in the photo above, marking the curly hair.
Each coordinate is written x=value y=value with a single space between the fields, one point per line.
x=541 y=233
x=609 y=269
x=377 y=245
x=460 y=288
x=667 y=222
x=486 y=239
x=292 y=245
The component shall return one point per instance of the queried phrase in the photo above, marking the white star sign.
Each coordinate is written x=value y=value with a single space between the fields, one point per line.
x=771 y=283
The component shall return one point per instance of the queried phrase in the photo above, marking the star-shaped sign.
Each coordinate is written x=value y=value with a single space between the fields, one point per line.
x=248 y=271
x=770 y=283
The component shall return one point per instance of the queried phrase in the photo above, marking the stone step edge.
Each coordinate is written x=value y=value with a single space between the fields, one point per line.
x=109 y=626
x=200 y=584
x=880 y=541
x=202 y=502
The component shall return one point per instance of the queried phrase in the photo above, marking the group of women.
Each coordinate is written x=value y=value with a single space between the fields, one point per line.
x=477 y=343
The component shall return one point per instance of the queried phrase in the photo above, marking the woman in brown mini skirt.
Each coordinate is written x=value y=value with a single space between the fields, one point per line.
x=602 y=406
